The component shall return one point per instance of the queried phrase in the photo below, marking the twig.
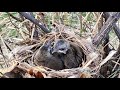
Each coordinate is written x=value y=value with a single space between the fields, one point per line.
x=80 y=17
x=108 y=57
x=35 y=21
x=16 y=28
x=16 y=18
x=106 y=28
x=115 y=27
x=109 y=42
x=114 y=74
x=93 y=56
x=84 y=18
x=94 y=28
x=116 y=63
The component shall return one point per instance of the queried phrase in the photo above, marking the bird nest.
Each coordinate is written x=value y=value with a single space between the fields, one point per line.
x=24 y=65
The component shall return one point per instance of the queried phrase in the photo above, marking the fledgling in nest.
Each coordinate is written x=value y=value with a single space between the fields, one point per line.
x=43 y=56
x=69 y=52
x=62 y=55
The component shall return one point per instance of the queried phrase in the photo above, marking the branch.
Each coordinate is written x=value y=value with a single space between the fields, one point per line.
x=117 y=30
x=16 y=18
x=115 y=27
x=35 y=21
x=106 y=28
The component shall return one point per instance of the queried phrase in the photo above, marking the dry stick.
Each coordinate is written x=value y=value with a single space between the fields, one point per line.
x=2 y=51
x=61 y=18
x=62 y=28
x=27 y=24
x=84 y=18
x=106 y=28
x=80 y=27
x=25 y=58
x=119 y=75
x=16 y=18
x=94 y=28
x=84 y=23
x=116 y=63
x=117 y=30
x=16 y=27
x=95 y=15
x=35 y=21
x=115 y=27
x=109 y=42
x=106 y=48
x=31 y=30
x=2 y=40
x=118 y=51
x=114 y=74
x=7 y=46
x=32 y=34
x=4 y=70
x=80 y=17
x=117 y=55
x=95 y=56
x=110 y=55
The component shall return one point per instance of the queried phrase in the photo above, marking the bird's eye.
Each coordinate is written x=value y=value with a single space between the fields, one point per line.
x=62 y=49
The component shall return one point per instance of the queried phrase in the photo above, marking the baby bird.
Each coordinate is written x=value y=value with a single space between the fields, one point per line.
x=70 y=53
x=44 y=57
x=74 y=56
x=62 y=55
x=61 y=47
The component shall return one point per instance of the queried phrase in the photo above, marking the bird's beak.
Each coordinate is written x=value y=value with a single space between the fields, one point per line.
x=58 y=51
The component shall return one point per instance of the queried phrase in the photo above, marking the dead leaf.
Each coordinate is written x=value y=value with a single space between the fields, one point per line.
x=36 y=73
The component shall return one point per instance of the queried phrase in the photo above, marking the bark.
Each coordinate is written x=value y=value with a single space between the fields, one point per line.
x=35 y=21
x=106 y=28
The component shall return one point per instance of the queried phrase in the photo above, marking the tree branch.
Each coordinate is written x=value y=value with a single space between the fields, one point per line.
x=35 y=21
x=106 y=28
x=16 y=18
x=115 y=27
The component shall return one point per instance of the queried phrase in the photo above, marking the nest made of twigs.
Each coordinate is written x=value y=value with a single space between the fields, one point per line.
x=25 y=52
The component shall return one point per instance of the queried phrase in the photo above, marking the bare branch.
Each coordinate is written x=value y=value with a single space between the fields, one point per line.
x=106 y=28
x=35 y=21
x=16 y=18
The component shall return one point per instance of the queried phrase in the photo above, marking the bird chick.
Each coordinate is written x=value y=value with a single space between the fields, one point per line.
x=70 y=53
x=43 y=56
x=74 y=56
x=61 y=46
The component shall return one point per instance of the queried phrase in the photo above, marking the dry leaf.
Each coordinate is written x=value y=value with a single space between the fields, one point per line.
x=35 y=73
